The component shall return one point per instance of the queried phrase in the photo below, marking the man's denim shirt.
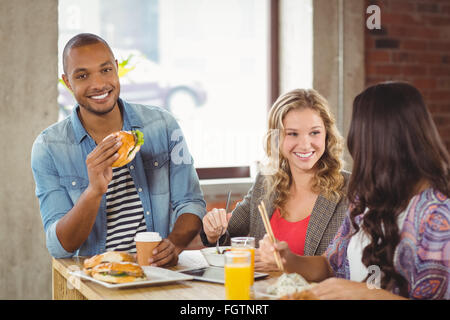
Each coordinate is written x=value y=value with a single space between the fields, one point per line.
x=162 y=170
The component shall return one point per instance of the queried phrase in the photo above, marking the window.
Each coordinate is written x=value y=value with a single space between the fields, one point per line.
x=296 y=44
x=206 y=61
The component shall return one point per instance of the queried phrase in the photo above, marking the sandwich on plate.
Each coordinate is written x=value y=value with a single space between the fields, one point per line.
x=108 y=256
x=118 y=272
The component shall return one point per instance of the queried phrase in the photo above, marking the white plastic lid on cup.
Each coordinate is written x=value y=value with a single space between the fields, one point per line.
x=147 y=237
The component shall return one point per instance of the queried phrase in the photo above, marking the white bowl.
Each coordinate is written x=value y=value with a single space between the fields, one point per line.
x=214 y=259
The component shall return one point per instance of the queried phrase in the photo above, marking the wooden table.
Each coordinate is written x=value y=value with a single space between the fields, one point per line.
x=66 y=286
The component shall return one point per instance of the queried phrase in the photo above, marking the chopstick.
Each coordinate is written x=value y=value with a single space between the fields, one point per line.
x=267 y=226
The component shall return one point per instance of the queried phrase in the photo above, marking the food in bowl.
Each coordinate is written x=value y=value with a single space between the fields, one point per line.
x=214 y=258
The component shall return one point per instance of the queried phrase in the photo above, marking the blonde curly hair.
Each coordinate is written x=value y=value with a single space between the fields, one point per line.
x=328 y=179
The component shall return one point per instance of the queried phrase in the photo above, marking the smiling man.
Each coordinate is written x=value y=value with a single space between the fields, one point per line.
x=98 y=96
x=88 y=207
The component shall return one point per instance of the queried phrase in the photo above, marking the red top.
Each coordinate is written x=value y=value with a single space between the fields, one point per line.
x=294 y=233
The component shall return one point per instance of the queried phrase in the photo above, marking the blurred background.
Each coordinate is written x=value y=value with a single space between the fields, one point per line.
x=217 y=65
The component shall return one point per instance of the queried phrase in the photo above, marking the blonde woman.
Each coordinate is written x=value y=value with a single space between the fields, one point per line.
x=305 y=195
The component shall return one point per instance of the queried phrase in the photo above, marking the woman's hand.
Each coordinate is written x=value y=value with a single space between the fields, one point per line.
x=342 y=289
x=312 y=268
x=267 y=252
x=215 y=223
x=264 y=265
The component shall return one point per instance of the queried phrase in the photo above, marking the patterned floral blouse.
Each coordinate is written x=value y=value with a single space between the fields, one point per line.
x=423 y=255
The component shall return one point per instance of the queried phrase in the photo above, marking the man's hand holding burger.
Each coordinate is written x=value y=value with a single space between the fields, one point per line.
x=99 y=164
x=115 y=150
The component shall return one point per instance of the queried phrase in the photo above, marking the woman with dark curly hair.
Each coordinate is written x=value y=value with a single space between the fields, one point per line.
x=396 y=237
x=303 y=185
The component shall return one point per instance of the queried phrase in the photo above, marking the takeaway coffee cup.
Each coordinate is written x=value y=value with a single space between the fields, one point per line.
x=145 y=243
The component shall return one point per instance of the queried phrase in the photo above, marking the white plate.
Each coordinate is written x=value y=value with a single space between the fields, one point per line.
x=155 y=276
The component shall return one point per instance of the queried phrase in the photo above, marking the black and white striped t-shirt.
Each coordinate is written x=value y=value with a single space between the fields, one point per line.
x=125 y=216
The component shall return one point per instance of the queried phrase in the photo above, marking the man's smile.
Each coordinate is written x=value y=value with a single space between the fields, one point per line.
x=100 y=96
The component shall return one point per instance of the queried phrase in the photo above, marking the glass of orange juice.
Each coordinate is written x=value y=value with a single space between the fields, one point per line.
x=237 y=275
x=248 y=244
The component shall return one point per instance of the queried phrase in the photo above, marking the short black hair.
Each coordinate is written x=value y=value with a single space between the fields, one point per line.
x=80 y=40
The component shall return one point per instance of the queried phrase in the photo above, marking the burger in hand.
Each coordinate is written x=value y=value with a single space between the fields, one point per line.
x=131 y=144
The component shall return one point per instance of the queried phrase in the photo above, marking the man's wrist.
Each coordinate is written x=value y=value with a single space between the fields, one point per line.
x=185 y=229
x=92 y=193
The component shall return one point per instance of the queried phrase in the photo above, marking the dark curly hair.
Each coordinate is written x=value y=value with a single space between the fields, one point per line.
x=395 y=147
